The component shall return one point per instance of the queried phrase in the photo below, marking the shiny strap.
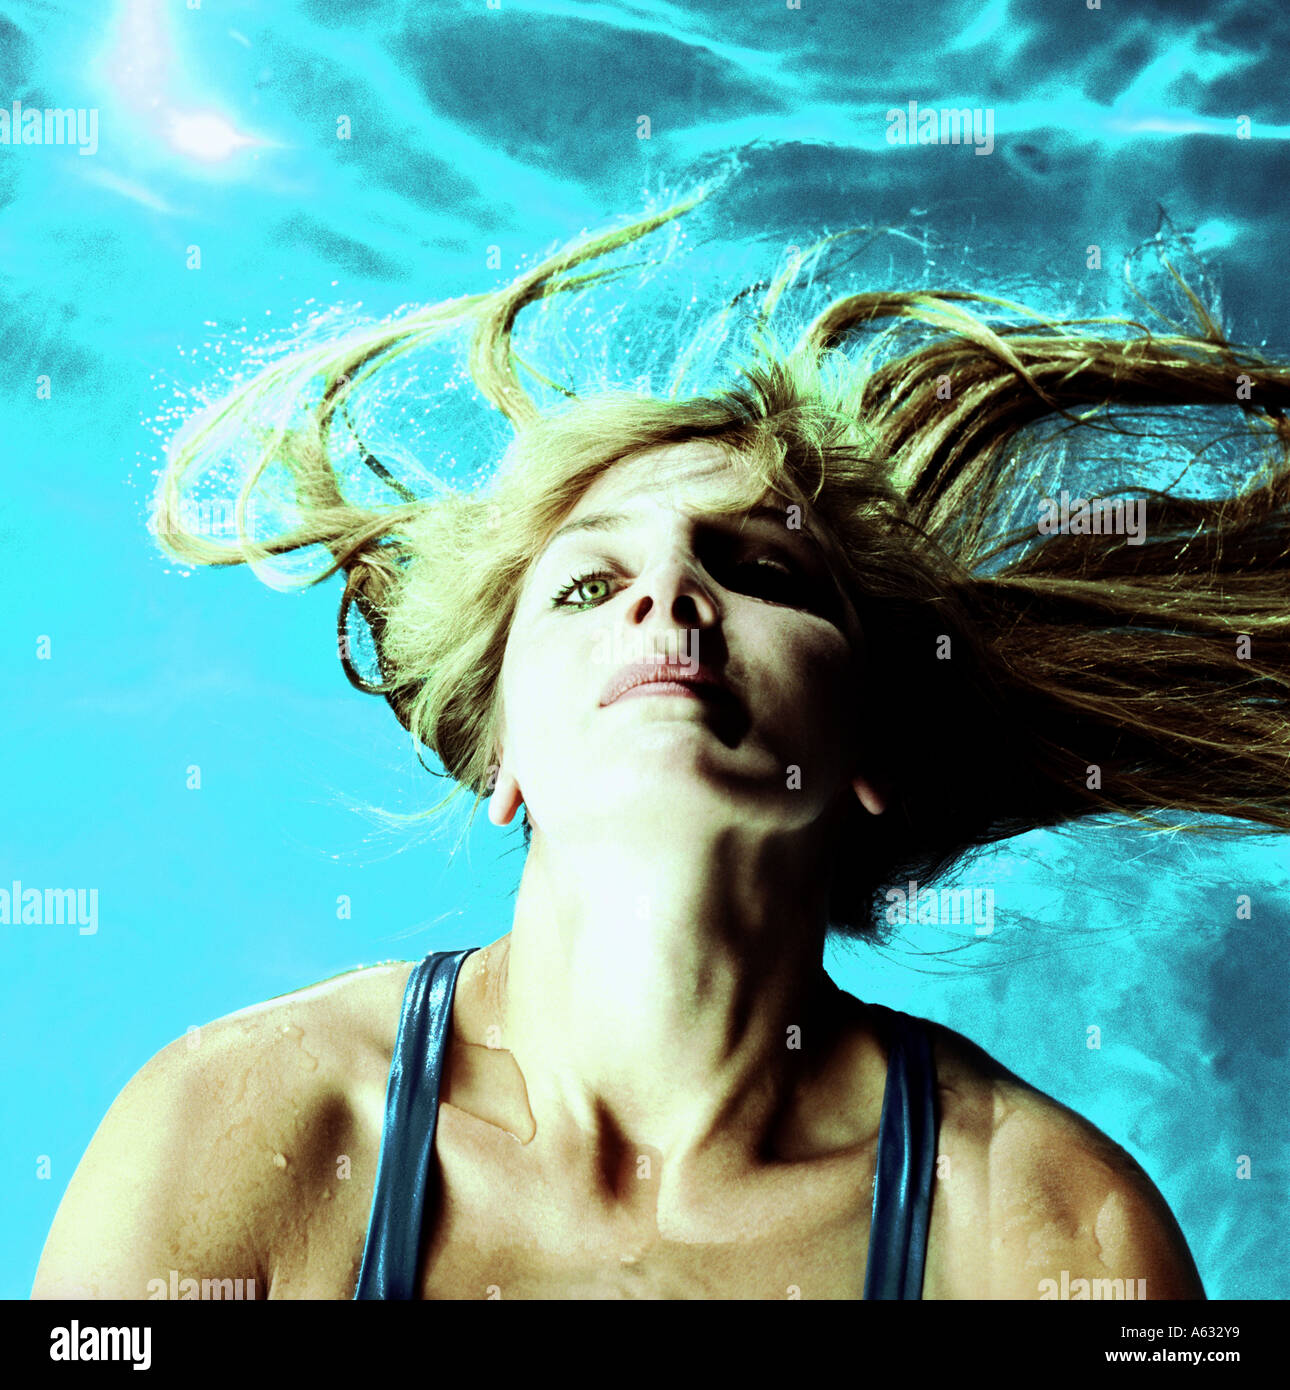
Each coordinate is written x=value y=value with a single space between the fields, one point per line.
x=902 y=1189
x=405 y=1173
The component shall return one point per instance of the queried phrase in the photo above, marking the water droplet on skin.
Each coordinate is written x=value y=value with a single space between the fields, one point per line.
x=292 y=1030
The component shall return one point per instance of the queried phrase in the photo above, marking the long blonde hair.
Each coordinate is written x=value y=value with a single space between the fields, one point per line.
x=1021 y=681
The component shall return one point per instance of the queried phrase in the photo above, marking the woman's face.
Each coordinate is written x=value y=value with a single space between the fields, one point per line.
x=770 y=748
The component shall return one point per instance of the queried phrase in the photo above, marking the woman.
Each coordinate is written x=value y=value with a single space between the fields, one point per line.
x=744 y=659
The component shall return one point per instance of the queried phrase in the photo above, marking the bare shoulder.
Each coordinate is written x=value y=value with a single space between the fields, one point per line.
x=1034 y=1198
x=324 y=1031
x=215 y=1155
x=282 y=1067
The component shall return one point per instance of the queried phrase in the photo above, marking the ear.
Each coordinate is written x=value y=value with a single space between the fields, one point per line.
x=505 y=800
x=872 y=794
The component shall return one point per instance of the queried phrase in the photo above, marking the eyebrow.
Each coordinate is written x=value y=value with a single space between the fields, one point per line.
x=609 y=521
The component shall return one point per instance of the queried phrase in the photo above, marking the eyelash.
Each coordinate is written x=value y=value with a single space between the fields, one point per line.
x=777 y=567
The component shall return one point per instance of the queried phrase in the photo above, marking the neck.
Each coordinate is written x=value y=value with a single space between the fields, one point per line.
x=665 y=1006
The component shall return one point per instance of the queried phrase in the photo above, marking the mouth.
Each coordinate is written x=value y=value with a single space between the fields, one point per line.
x=726 y=718
x=687 y=690
x=655 y=678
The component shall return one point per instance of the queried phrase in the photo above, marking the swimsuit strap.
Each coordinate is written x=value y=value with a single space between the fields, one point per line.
x=902 y=1188
x=405 y=1176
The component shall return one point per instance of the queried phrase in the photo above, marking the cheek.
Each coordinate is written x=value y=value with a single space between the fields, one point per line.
x=807 y=673
x=813 y=714
x=546 y=686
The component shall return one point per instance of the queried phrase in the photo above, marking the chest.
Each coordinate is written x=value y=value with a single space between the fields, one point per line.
x=504 y=1224
x=503 y=1230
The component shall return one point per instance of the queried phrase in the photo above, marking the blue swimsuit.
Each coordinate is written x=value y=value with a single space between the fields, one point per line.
x=406 y=1174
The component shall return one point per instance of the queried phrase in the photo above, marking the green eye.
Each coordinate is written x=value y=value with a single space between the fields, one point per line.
x=583 y=581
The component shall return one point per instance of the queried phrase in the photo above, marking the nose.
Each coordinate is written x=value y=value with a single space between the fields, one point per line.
x=674 y=591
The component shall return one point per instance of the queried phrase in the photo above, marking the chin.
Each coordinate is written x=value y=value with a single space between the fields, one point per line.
x=669 y=754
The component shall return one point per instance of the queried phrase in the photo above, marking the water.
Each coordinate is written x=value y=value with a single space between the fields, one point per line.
x=186 y=744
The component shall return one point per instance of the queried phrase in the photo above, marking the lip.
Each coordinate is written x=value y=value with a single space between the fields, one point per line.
x=702 y=680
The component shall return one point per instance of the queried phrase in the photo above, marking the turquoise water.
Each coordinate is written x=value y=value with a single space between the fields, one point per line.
x=218 y=209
